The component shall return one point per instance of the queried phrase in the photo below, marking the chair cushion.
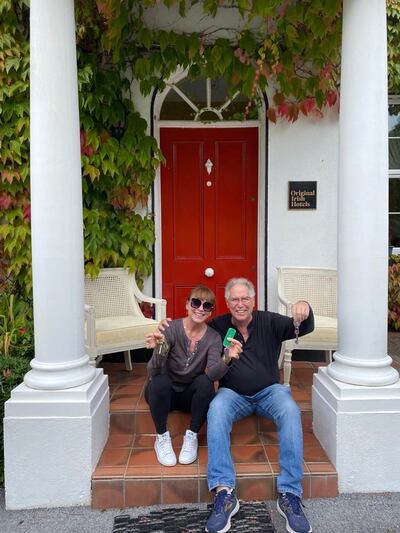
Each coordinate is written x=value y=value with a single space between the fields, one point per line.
x=119 y=329
x=325 y=331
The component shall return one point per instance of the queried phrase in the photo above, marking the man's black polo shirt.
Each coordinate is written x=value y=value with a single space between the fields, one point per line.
x=257 y=366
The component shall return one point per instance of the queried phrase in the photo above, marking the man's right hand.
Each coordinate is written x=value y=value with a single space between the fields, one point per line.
x=164 y=324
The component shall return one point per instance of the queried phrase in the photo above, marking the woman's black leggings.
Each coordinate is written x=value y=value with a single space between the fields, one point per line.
x=195 y=399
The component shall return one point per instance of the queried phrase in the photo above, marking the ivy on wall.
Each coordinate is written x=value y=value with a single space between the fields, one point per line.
x=119 y=159
x=290 y=46
x=393 y=29
x=15 y=243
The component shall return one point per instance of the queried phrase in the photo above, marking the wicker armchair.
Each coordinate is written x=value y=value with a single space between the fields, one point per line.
x=114 y=321
x=318 y=287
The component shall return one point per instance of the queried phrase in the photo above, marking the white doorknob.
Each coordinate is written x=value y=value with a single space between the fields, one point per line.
x=209 y=272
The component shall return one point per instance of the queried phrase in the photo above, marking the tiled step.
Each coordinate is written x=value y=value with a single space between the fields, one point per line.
x=128 y=473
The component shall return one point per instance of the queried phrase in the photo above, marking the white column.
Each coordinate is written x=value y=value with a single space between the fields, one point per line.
x=356 y=400
x=362 y=357
x=56 y=422
x=56 y=194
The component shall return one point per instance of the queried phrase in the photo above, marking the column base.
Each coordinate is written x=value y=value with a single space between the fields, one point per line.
x=359 y=428
x=52 y=443
x=55 y=376
x=371 y=373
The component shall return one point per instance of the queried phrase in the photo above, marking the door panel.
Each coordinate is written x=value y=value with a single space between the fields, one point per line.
x=230 y=213
x=208 y=220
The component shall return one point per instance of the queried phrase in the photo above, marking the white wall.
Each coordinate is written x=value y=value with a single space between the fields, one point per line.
x=304 y=151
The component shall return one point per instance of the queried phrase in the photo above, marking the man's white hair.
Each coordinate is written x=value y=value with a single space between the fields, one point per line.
x=239 y=281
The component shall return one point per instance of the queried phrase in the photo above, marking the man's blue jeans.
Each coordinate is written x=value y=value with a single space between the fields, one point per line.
x=274 y=402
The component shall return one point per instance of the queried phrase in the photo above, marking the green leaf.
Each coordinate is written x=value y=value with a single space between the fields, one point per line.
x=193 y=44
x=91 y=171
x=248 y=42
x=124 y=248
x=145 y=37
x=12 y=62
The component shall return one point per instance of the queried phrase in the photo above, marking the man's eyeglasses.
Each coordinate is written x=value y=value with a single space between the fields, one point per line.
x=245 y=300
x=196 y=303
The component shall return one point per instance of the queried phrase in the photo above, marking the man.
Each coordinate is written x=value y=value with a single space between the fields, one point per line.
x=251 y=385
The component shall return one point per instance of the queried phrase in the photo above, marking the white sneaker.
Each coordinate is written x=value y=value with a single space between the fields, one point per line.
x=189 y=448
x=163 y=447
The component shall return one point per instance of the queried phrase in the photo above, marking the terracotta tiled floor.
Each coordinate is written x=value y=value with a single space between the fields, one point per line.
x=128 y=473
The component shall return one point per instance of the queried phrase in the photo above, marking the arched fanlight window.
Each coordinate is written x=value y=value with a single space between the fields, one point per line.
x=203 y=100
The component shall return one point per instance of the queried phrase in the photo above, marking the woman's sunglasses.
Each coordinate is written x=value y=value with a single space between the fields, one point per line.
x=196 y=303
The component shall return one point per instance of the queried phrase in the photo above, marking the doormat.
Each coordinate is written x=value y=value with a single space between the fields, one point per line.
x=252 y=517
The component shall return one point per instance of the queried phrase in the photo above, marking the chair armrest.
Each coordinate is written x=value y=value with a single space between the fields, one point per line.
x=160 y=305
x=90 y=319
x=285 y=306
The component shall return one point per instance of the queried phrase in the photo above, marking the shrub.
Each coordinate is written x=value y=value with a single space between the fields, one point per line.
x=16 y=346
x=394 y=293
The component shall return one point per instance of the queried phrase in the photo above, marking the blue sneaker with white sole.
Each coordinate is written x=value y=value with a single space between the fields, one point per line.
x=226 y=505
x=291 y=508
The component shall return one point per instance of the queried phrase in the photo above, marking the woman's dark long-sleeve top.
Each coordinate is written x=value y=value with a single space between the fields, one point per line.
x=181 y=364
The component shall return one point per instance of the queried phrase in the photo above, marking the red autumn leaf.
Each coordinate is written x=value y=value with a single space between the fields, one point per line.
x=326 y=71
x=303 y=108
x=5 y=201
x=283 y=110
x=331 y=98
x=310 y=104
x=88 y=150
x=104 y=9
x=27 y=212
x=271 y=114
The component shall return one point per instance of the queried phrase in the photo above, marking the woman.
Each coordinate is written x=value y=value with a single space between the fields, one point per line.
x=186 y=361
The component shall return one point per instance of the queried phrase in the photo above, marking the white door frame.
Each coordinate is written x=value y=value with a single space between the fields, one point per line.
x=261 y=211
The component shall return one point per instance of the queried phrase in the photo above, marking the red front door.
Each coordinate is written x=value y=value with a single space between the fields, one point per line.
x=209 y=211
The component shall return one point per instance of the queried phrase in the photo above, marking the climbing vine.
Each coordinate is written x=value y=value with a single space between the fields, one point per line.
x=393 y=29
x=119 y=158
x=15 y=232
x=291 y=47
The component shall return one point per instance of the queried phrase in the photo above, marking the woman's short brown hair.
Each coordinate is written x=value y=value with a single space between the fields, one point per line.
x=203 y=293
